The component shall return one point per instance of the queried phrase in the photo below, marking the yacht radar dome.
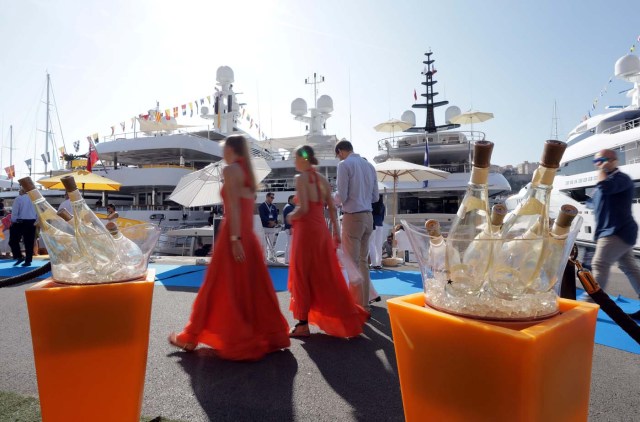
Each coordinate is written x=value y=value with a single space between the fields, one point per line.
x=451 y=112
x=325 y=104
x=224 y=75
x=409 y=117
x=204 y=110
x=628 y=68
x=299 y=107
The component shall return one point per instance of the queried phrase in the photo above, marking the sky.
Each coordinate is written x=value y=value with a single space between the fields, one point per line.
x=112 y=60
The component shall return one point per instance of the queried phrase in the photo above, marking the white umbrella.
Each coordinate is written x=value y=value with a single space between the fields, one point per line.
x=404 y=171
x=202 y=187
x=470 y=117
x=392 y=125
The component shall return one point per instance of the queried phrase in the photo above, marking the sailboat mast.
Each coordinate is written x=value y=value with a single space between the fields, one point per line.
x=46 y=132
x=11 y=150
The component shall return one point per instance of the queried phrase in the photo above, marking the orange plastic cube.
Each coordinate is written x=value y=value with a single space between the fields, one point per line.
x=90 y=347
x=458 y=369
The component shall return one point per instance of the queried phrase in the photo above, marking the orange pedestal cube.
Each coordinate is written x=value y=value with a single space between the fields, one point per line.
x=458 y=369
x=90 y=347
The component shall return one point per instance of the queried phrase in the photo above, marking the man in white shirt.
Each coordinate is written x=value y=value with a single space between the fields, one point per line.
x=66 y=204
x=23 y=225
x=358 y=189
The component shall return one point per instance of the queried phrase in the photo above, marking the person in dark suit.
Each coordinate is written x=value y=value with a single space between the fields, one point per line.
x=269 y=218
x=23 y=227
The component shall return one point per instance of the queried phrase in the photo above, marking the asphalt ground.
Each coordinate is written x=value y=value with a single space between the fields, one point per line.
x=318 y=379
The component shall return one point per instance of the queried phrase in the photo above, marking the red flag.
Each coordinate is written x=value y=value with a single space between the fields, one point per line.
x=184 y=109
x=415 y=95
x=11 y=171
x=93 y=157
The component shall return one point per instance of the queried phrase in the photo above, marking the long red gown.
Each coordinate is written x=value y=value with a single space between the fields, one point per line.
x=319 y=292
x=236 y=311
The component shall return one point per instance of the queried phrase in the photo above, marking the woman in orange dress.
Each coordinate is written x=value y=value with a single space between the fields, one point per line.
x=236 y=311
x=319 y=292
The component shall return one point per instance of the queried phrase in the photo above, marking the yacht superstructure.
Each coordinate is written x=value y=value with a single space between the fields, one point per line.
x=442 y=147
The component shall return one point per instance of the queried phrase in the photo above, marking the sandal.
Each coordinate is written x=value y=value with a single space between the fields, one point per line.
x=174 y=340
x=301 y=329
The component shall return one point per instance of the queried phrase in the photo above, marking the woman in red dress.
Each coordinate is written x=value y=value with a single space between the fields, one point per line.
x=236 y=311
x=319 y=292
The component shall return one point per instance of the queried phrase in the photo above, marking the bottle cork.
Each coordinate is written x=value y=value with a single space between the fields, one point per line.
x=69 y=183
x=566 y=216
x=64 y=214
x=498 y=212
x=552 y=153
x=27 y=184
x=433 y=228
x=112 y=227
x=482 y=154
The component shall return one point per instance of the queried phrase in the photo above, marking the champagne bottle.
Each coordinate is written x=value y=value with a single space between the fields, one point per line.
x=67 y=263
x=554 y=254
x=65 y=215
x=94 y=240
x=525 y=229
x=467 y=275
x=437 y=251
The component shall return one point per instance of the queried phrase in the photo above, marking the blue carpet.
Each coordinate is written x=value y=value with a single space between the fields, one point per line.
x=8 y=270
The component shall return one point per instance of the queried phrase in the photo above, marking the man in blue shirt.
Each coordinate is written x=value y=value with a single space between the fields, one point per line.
x=616 y=231
x=357 y=189
x=287 y=227
x=23 y=226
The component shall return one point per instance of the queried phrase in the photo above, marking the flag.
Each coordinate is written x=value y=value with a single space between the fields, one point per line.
x=133 y=122
x=76 y=147
x=242 y=111
x=89 y=138
x=62 y=151
x=123 y=125
x=251 y=124
x=158 y=116
x=434 y=71
x=191 y=108
x=11 y=171
x=209 y=98
x=28 y=162
x=95 y=137
x=415 y=95
x=113 y=129
x=93 y=157
x=184 y=109
x=201 y=101
x=426 y=162
x=175 y=112
x=197 y=108
x=167 y=113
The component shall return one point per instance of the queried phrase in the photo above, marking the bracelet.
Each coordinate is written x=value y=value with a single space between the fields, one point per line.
x=235 y=238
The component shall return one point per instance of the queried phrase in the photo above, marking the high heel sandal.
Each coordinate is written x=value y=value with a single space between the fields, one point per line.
x=301 y=329
x=174 y=340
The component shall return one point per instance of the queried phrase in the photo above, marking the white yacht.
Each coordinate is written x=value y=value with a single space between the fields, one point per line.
x=618 y=130
x=442 y=147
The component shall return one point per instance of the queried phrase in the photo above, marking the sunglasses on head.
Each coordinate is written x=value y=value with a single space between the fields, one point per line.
x=600 y=160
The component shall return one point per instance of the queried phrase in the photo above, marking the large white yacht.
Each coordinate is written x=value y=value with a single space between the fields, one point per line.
x=442 y=147
x=618 y=130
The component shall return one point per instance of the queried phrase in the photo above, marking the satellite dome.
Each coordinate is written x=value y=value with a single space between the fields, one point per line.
x=627 y=67
x=409 y=117
x=224 y=75
x=451 y=112
x=298 y=107
x=204 y=110
x=325 y=104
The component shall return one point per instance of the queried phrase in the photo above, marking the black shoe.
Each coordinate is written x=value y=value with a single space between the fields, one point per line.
x=26 y=264
x=377 y=267
x=15 y=264
x=635 y=315
x=375 y=299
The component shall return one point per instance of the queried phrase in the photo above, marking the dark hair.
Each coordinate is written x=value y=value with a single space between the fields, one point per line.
x=306 y=152
x=240 y=147
x=344 y=145
x=111 y=206
x=290 y=198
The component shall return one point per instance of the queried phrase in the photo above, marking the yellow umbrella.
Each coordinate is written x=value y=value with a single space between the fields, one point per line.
x=84 y=179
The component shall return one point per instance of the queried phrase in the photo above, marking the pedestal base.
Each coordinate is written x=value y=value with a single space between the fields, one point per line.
x=457 y=369
x=90 y=347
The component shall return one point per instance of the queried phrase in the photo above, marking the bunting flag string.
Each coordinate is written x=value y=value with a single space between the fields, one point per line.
x=604 y=90
x=175 y=112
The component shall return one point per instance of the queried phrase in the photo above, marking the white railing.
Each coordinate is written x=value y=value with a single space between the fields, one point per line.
x=443 y=138
x=631 y=124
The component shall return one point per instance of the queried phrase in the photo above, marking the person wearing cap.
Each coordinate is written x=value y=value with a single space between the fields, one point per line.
x=269 y=218
x=357 y=189
x=616 y=231
x=23 y=220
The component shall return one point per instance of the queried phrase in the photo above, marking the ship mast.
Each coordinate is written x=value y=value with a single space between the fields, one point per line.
x=46 y=132
x=430 y=124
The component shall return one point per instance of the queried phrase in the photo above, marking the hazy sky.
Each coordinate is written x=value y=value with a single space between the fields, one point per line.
x=111 y=60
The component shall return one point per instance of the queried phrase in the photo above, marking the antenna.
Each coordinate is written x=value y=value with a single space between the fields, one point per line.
x=317 y=79
x=554 y=121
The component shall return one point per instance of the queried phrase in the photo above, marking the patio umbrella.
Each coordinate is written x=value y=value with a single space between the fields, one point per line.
x=404 y=171
x=470 y=117
x=202 y=187
x=392 y=125
x=85 y=179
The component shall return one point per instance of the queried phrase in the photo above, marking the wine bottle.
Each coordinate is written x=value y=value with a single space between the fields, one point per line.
x=554 y=252
x=437 y=251
x=467 y=275
x=67 y=263
x=518 y=263
x=94 y=240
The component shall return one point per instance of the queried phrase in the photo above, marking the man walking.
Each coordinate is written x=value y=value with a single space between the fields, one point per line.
x=616 y=231
x=23 y=220
x=287 y=227
x=357 y=189
x=269 y=217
